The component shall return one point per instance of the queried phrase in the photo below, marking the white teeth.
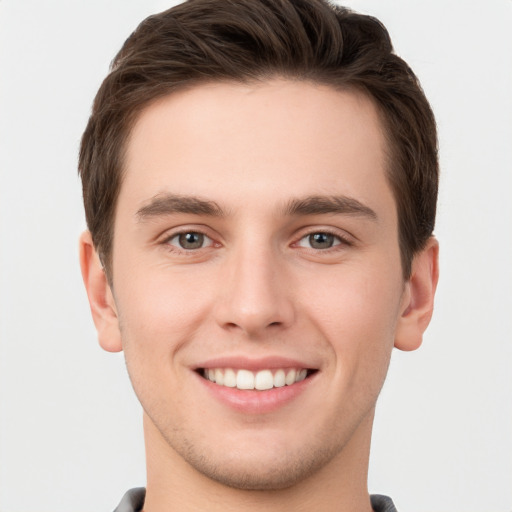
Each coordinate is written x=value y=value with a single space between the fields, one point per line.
x=262 y=380
x=230 y=378
x=279 y=379
x=245 y=379
x=290 y=377
x=301 y=375
x=219 y=376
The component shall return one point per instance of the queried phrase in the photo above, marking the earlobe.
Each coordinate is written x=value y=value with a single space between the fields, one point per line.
x=418 y=303
x=100 y=296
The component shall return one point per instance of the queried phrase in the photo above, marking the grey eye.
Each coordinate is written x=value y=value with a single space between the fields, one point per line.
x=319 y=241
x=190 y=241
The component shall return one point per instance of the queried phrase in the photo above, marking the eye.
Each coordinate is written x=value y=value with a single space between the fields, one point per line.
x=190 y=240
x=319 y=240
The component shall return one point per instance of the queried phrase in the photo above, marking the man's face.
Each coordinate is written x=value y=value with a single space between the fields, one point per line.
x=256 y=244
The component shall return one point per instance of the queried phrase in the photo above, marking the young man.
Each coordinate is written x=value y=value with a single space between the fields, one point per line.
x=260 y=182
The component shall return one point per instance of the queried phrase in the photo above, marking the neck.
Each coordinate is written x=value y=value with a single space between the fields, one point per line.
x=340 y=485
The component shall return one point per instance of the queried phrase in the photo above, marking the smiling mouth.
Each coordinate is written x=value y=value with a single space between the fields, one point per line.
x=261 y=380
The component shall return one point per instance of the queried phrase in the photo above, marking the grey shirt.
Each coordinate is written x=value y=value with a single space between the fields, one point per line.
x=133 y=501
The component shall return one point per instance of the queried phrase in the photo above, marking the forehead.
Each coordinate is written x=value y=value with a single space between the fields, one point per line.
x=274 y=139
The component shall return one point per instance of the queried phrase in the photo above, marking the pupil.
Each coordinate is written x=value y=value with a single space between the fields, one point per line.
x=321 y=240
x=191 y=240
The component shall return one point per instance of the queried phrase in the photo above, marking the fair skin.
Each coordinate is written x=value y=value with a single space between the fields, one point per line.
x=255 y=230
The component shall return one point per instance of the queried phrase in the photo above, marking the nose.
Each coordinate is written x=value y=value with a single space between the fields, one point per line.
x=256 y=295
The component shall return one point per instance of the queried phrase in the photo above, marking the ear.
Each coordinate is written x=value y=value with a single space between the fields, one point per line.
x=418 y=298
x=101 y=299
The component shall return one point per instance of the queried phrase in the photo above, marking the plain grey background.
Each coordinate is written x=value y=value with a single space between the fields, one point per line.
x=70 y=427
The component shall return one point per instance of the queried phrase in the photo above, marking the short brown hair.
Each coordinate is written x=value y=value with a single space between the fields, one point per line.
x=202 y=41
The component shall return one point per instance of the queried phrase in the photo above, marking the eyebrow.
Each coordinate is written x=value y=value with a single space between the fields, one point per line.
x=317 y=205
x=167 y=204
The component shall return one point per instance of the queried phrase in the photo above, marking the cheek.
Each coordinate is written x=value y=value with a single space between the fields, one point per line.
x=159 y=314
x=358 y=314
x=162 y=310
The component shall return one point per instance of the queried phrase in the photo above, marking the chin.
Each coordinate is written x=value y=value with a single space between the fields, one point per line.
x=260 y=471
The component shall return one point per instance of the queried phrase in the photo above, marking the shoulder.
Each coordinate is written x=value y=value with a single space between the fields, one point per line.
x=132 y=501
x=382 y=503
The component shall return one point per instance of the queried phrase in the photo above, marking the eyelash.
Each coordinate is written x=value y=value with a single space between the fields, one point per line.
x=343 y=241
x=174 y=248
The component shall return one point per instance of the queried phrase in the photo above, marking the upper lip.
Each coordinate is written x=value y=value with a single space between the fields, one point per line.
x=254 y=364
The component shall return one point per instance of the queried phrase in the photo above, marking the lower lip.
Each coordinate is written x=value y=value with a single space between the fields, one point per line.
x=255 y=401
